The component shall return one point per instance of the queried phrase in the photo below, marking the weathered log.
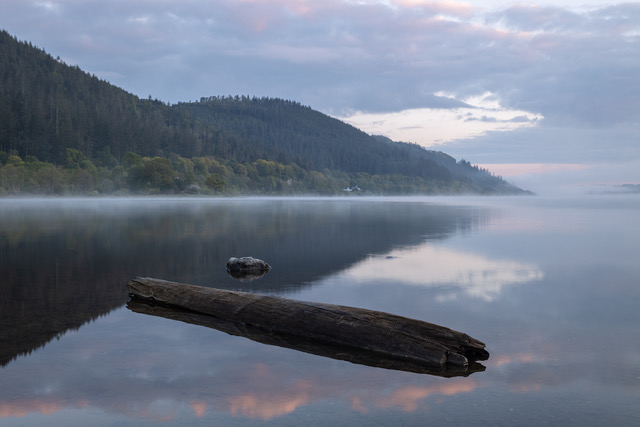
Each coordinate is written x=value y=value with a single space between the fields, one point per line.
x=299 y=343
x=380 y=334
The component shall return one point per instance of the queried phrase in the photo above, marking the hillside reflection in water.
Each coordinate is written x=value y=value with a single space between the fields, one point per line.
x=549 y=289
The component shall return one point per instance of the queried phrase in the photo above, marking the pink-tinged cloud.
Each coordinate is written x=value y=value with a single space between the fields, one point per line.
x=506 y=359
x=299 y=6
x=44 y=406
x=199 y=408
x=266 y=401
x=525 y=388
x=358 y=406
x=267 y=405
x=21 y=409
x=451 y=8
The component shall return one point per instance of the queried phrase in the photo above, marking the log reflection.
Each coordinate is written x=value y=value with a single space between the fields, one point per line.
x=270 y=337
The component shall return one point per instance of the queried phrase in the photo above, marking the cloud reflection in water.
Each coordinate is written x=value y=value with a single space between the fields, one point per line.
x=409 y=398
x=433 y=266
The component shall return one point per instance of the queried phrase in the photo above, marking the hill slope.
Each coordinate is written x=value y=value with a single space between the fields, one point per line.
x=60 y=115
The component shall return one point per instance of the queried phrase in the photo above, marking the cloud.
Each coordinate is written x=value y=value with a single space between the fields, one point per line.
x=448 y=8
x=468 y=118
x=340 y=55
x=548 y=144
x=574 y=66
x=568 y=178
x=533 y=18
x=582 y=74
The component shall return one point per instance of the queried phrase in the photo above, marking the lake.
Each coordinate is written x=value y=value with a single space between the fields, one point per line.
x=551 y=285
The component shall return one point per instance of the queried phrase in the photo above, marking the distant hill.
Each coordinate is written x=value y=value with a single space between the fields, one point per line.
x=60 y=116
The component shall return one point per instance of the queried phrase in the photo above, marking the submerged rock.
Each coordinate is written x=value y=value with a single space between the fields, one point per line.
x=247 y=269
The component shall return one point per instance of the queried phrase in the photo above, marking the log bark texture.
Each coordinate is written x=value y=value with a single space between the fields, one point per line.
x=374 y=332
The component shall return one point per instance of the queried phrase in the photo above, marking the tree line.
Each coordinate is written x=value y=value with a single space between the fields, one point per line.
x=49 y=109
x=137 y=175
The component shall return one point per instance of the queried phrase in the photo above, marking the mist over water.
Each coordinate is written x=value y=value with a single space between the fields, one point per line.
x=548 y=283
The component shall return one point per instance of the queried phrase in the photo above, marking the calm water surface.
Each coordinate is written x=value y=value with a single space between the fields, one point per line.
x=550 y=285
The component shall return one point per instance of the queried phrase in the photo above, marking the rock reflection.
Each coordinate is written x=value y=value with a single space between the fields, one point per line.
x=245 y=277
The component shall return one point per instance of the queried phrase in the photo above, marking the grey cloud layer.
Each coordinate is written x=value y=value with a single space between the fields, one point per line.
x=575 y=68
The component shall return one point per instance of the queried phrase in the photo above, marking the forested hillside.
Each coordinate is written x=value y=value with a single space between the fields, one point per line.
x=63 y=131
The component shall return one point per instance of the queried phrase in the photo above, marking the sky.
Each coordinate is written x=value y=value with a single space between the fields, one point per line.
x=545 y=94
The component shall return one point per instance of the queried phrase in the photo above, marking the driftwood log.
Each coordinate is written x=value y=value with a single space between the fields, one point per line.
x=348 y=333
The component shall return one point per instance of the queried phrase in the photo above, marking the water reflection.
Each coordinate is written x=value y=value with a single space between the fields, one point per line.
x=267 y=399
x=435 y=266
x=154 y=371
x=563 y=351
x=66 y=262
x=409 y=398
